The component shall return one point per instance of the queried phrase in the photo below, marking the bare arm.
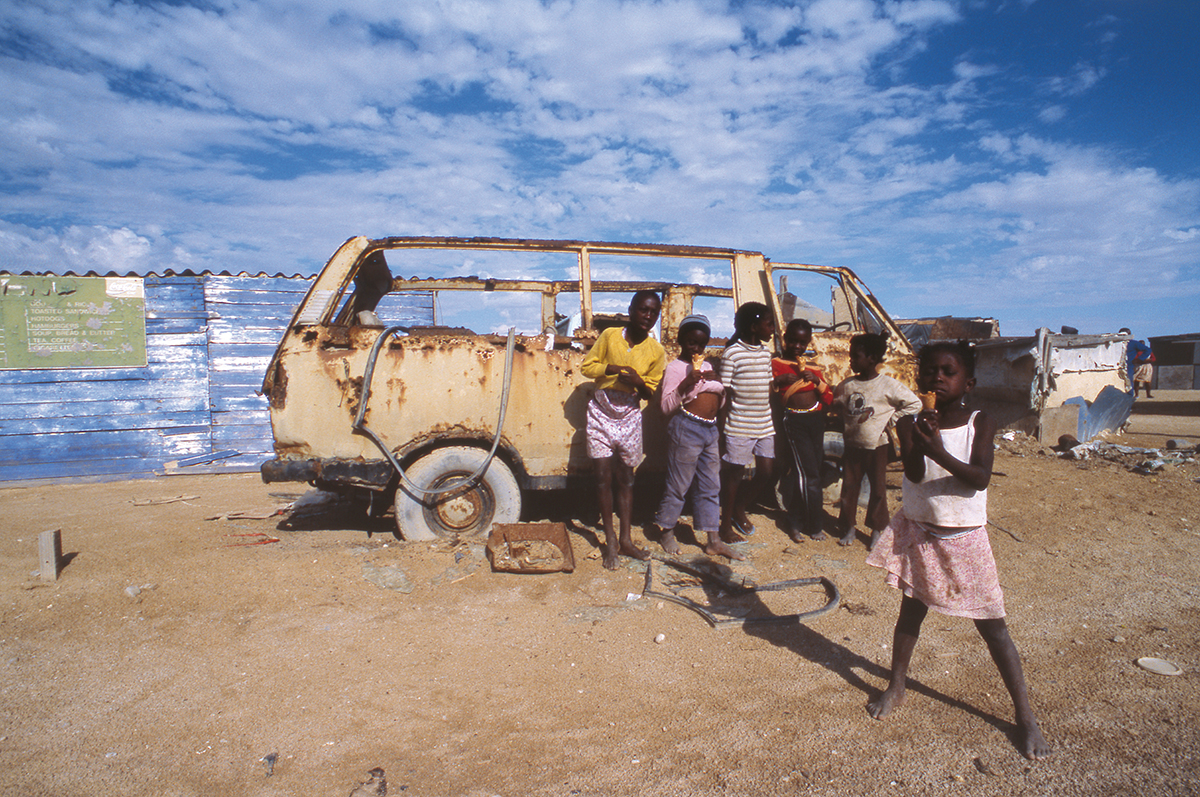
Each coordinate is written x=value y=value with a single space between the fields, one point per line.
x=914 y=460
x=906 y=402
x=628 y=376
x=977 y=473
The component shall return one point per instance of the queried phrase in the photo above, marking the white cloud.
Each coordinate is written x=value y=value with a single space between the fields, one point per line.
x=1052 y=114
x=1073 y=231
x=258 y=136
x=1081 y=79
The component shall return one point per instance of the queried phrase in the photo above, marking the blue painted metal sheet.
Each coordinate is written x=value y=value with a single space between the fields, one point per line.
x=209 y=340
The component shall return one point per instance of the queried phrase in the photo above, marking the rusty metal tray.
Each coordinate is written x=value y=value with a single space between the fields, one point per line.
x=530 y=548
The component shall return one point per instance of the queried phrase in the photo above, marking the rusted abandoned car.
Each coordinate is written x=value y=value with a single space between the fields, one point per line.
x=452 y=425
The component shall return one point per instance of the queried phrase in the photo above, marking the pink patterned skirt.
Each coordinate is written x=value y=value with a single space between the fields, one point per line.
x=952 y=575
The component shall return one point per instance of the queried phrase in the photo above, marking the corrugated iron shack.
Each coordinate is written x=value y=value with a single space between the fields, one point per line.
x=126 y=375
x=1177 y=362
x=1048 y=385
x=1053 y=384
x=920 y=331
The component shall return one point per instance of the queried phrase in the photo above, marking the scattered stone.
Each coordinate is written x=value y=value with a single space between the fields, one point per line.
x=133 y=591
x=821 y=560
x=661 y=638
x=982 y=766
x=1067 y=442
x=388 y=577
x=374 y=786
x=1118 y=639
x=1159 y=666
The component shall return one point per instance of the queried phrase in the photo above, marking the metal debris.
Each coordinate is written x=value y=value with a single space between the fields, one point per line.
x=1138 y=460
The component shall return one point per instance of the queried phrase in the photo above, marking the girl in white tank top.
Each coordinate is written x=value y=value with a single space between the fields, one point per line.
x=936 y=550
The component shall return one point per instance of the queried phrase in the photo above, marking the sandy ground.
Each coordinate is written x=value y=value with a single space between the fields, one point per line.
x=457 y=680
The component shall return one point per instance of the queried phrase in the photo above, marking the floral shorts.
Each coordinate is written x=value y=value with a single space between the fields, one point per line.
x=614 y=426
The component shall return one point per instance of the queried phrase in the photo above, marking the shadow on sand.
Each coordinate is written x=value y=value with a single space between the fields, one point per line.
x=810 y=645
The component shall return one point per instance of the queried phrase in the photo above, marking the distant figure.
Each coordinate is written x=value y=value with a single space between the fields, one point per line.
x=691 y=397
x=1139 y=359
x=936 y=549
x=627 y=365
x=868 y=401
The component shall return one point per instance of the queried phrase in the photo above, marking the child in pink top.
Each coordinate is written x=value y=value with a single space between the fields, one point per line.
x=691 y=396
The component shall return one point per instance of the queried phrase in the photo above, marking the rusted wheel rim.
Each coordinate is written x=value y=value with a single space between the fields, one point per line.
x=461 y=511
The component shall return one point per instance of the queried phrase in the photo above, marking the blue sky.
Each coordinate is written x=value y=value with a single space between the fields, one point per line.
x=1031 y=161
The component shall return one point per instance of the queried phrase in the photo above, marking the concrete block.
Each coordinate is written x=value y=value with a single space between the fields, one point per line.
x=1058 y=421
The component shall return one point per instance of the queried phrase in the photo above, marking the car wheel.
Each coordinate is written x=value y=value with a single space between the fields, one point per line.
x=494 y=498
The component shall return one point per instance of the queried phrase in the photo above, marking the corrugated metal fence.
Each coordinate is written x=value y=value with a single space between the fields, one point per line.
x=194 y=406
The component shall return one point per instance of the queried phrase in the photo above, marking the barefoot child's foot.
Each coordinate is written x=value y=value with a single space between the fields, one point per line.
x=820 y=536
x=1031 y=743
x=628 y=548
x=717 y=548
x=874 y=539
x=889 y=700
x=669 y=543
x=849 y=537
x=611 y=559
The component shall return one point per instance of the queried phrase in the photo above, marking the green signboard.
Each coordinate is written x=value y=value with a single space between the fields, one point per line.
x=72 y=322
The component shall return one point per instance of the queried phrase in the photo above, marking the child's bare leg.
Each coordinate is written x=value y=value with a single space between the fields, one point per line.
x=717 y=548
x=852 y=475
x=904 y=641
x=605 y=498
x=764 y=468
x=877 y=508
x=731 y=479
x=995 y=633
x=624 y=476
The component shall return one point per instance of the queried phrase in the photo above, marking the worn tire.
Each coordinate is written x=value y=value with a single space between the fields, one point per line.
x=495 y=498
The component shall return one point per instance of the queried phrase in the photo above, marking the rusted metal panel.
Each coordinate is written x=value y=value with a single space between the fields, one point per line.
x=531 y=548
x=434 y=388
x=1022 y=381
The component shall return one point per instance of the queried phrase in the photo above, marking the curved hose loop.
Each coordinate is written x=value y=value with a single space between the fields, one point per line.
x=716 y=620
x=459 y=484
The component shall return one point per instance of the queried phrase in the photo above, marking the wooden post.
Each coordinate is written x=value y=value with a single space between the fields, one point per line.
x=50 y=553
